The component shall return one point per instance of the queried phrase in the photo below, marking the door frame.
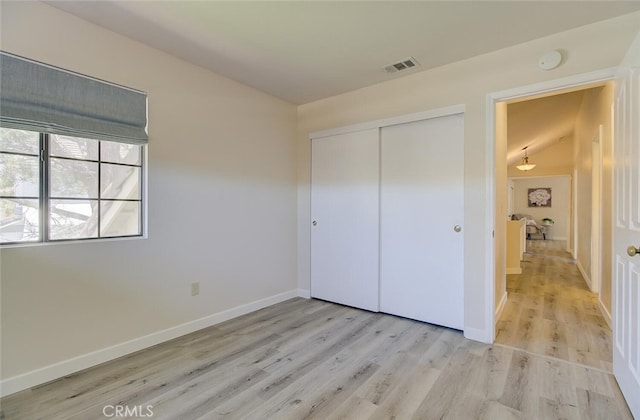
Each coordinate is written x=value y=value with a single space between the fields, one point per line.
x=596 y=211
x=580 y=81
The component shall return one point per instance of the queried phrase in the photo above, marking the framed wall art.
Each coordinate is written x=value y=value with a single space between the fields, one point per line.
x=539 y=197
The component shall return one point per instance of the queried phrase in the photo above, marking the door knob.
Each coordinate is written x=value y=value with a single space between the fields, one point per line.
x=457 y=228
x=314 y=223
x=632 y=250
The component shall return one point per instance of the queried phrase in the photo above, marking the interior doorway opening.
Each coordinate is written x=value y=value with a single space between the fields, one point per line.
x=497 y=167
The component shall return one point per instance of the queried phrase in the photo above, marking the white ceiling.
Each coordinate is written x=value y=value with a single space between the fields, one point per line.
x=302 y=51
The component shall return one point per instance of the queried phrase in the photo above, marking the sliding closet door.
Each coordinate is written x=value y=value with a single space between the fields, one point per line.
x=421 y=216
x=344 y=214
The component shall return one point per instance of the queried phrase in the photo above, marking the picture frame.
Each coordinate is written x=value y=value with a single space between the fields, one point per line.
x=539 y=197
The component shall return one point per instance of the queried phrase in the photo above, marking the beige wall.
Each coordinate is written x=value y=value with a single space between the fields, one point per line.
x=560 y=209
x=222 y=204
x=595 y=110
x=227 y=154
x=593 y=47
x=557 y=159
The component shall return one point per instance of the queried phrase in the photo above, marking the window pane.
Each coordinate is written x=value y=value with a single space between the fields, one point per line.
x=19 y=175
x=73 y=147
x=119 y=182
x=119 y=218
x=73 y=219
x=19 y=220
x=73 y=179
x=128 y=154
x=20 y=141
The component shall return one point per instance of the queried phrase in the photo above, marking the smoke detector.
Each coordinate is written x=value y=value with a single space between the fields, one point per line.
x=402 y=65
x=550 y=60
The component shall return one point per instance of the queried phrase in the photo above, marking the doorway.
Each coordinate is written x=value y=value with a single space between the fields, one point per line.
x=498 y=115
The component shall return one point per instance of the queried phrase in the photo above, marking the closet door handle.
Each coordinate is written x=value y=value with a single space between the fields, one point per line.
x=632 y=250
x=457 y=228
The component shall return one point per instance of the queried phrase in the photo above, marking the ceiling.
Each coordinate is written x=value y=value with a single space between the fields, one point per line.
x=302 y=51
x=540 y=123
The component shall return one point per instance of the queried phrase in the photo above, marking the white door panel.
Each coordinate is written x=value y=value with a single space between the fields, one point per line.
x=344 y=206
x=626 y=276
x=421 y=193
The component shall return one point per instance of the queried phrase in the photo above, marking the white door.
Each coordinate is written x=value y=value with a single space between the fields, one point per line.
x=344 y=214
x=626 y=275
x=421 y=213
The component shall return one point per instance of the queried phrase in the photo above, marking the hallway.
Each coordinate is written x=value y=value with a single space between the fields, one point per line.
x=551 y=312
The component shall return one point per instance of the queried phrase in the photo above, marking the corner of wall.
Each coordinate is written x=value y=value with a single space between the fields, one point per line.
x=584 y=274
x=500 y=307
x=304 y=293
x=66 y=367
x=605 y=314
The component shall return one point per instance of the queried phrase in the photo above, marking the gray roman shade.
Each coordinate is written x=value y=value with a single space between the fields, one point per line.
x=39 y=97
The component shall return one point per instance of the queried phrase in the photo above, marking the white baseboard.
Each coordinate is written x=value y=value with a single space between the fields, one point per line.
x=585 y=276
x=605 y=314
x=500 y=308
x=69 y=366
x=480 y=335
x=304 y=293
x=514 y=270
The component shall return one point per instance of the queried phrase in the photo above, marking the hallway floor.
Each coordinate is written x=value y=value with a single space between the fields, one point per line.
x=551 y=312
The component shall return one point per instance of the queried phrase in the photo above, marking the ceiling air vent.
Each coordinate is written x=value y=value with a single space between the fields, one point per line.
x=406 y=64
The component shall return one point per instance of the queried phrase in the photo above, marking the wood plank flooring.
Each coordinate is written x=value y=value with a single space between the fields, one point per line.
x=309 y=359
x=550 y=310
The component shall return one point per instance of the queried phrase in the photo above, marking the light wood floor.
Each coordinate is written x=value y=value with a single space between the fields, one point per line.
x=550 y=310
x=313 y=359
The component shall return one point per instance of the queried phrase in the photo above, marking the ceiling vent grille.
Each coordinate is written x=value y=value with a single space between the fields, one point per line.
x=403 y=65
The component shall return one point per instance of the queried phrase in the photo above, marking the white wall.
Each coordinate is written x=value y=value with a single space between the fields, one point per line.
x=222 y=208
x=560 y=210
x=595 y=111
x=230 y=152
x=589 y=48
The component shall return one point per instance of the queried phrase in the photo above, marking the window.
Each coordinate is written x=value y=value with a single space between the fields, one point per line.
x=71 y=155
x=56 y=188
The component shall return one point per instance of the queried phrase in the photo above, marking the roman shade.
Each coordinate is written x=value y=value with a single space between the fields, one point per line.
x=43 y=98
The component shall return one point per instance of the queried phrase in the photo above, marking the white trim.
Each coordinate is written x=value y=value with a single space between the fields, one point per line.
x=581 y=81
x=75 y=364
x=500 y=308
x=514 y=270
x=596 y=209
x=385 y=122
x=605 y=314
x=478 y=334
x=576 y=81
x=574 y=209
x=304 y=293
x=585 y=276
x=490 y=220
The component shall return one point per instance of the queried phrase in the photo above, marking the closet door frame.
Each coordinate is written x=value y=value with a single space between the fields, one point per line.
x=376 y=124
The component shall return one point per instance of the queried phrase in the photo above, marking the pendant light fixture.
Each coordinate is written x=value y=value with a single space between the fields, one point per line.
x=525 y=165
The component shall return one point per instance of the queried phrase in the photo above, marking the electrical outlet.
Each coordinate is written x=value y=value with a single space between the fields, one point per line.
x=195 y=288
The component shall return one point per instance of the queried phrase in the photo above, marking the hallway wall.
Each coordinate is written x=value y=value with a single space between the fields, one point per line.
x=595 y=110
x=560 y=210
